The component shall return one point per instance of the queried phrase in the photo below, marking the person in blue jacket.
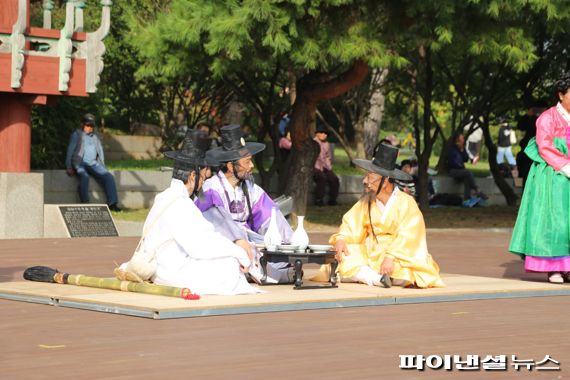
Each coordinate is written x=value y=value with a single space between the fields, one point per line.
x=85 y=157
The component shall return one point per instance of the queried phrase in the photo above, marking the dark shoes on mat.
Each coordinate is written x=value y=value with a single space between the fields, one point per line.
x=386 y=281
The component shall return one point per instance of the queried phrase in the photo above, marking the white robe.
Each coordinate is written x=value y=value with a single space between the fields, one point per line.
x=191 y=254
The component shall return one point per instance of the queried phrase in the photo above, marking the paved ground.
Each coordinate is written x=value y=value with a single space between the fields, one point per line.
x=360 y=343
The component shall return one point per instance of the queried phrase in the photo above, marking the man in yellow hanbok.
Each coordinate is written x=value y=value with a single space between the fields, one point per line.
x=382 y=239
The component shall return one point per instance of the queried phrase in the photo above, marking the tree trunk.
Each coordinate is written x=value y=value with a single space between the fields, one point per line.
x=375 y=113
x=361 y=144
x=303 y=154
x=423 y=158
x=292 y=79
x=311 y=89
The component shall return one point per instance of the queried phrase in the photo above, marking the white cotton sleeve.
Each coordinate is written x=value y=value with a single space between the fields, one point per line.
x=565 y=170
x=200 y=241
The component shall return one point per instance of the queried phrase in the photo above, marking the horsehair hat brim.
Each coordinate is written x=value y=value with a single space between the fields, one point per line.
x=249 y=149
x=369 y=166
x=178 y=156
x=211 y=159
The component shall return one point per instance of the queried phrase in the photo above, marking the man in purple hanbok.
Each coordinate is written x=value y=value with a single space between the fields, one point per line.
x=237 y=206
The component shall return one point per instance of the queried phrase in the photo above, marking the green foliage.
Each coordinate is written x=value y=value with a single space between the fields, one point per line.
x=305 y=35
x=489 y=57
x=51 y=129
x=121 y=99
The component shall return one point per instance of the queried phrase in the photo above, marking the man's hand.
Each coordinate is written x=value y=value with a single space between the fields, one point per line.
x=387 y=266
x=70 y=172
x=341 y=250
x=475 y=159
x=244 y=244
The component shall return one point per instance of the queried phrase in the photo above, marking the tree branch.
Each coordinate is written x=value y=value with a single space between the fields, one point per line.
x=340 y=84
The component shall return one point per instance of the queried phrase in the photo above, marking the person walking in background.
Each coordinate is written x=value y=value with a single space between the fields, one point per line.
x=322 y=172
x=542 y=231
x=507 y=138
x=474 y=135
x=85 y=157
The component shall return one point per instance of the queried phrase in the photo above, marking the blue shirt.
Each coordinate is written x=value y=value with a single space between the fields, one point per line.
x=90 y=149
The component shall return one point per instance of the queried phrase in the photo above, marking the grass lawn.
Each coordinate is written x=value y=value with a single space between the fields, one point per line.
x=328 y=218
x=341 y=164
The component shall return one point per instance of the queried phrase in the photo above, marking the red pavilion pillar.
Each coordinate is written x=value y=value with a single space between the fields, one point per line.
x=15 y=133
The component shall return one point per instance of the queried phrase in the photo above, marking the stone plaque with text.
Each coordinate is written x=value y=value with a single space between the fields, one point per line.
x=88 y=221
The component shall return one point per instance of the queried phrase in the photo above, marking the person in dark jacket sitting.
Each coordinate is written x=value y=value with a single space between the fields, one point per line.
x=85 y=157
x=456 y=158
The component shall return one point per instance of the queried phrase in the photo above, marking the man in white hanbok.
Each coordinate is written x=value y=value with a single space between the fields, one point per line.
x=239 y=208
x=189 y=252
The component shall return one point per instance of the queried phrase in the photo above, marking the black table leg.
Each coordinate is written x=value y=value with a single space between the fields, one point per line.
x=298 y=273
x=332 y=278
x=263 y=262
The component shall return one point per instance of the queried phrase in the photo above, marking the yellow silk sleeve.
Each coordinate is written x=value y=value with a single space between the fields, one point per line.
x=354 y=227
x=409 y=243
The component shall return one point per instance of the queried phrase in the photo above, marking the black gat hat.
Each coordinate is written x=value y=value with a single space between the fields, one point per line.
x=383 y=163
x=194 y=150
x=234 y=146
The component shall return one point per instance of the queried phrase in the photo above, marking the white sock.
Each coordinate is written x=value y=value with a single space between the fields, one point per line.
x=367 y=276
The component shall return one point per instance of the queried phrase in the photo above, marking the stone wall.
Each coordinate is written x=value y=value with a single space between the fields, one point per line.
x=137 y=188
x=131 y=147
x=21 y=206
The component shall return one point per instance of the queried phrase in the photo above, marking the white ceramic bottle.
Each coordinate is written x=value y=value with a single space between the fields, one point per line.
x=300 y=236
x=272 y=236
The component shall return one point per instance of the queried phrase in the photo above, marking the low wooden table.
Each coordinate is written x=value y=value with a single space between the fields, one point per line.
x=297 y=259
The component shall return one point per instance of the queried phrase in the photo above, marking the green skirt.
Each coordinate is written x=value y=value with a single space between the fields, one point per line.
x=543 y=224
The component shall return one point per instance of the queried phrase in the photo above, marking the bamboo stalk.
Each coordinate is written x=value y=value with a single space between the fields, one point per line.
x=46 y=274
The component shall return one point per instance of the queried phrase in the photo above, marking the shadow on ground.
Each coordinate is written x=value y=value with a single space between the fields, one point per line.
x=8 y=274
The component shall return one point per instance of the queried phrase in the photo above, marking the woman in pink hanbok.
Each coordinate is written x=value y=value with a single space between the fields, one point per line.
x=542 y=230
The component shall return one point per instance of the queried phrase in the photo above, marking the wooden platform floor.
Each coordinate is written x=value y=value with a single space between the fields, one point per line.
x=357 y=343
x=277 y=298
